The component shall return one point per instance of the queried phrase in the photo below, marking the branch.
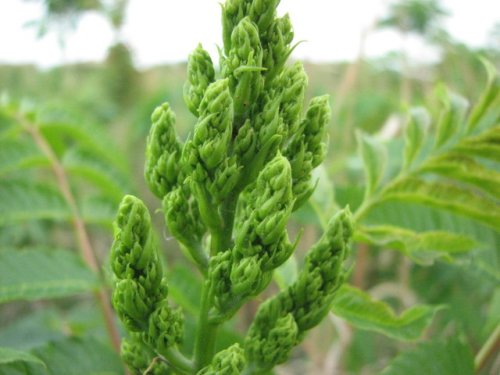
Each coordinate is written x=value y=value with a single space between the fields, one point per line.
x=490 y=348
x=86 y=249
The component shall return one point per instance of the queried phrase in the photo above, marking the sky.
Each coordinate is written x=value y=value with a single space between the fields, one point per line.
x=166 y=31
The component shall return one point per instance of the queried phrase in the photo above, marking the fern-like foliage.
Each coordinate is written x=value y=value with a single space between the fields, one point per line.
x=449 y=164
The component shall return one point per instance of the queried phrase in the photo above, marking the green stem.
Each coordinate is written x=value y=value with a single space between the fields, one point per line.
x=204 y=347
x=199 y=256
x=177 y=360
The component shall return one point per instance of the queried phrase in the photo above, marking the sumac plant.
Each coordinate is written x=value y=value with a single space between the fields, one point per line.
x=227 y=194
x=228 y=190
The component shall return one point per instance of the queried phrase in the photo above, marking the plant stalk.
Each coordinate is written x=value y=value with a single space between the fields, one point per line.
x=490 y=348
x=204 y=348
x=86 y=250
x=177 y=360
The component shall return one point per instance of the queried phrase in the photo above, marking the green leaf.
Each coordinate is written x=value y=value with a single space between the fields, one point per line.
x=18 y=154
x=422 y=248
x=467 y=170
x=416 y=128
x=485 y=145
x=420 y=218
x=25 y=200
x=98 y=210
x=35 y=329
x=74 y=356
x=488 y=96
x=9 y=355
x=374 y=156
x=447 y=196
x=104 y=176
x=89 y=137
x=40 y=274
x=452 y=117
x=449 y=357
x=359 y=309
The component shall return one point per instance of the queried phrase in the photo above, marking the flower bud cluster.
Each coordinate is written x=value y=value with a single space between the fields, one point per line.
x=140 y=293
x=243 y=67
x=232 y=185
x=163 y=151
x=163 y=169
x=139 y=357
x=261 y=241
x=306 y=149
x=282 y=321
x=230 y=361
x=200 y=74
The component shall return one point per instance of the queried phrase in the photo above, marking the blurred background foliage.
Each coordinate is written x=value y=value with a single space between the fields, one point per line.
x=95 y=117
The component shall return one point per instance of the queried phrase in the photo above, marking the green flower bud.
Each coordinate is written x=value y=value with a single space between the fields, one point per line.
x=245 y=143
x=302 y=190
x=200 y=74
x=225 y=179
x=230 y=361
x=133 y=244
x=305 y=303
x=132 y=304
x=233 y=11
x=134 y=253
x=293 y=82
x=268 y=122
x=165 y=329
x=277 y=47
x=182 y=216
x=268 y=207
x=263 y=12
x=218 y=275
x=245 y=276
x=314 y=127
x=277 y=253
x=213 y=131
x=322 y=274
x=245 y=43
x=266 y=348
x=163 y=152
x=139 y=357
x=243 y=67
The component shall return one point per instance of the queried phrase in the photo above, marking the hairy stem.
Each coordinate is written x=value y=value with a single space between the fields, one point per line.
x=86 y=249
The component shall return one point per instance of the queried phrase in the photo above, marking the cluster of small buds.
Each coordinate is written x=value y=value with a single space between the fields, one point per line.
x=140 y=358
x=141 y=291
x=306 y=150
x=230 y=361
x=201 y=74
x=163 y=151
x=282 y=321
x=232 y=185
x=261 y=241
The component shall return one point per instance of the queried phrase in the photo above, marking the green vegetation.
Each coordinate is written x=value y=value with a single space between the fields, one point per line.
x=255 y=248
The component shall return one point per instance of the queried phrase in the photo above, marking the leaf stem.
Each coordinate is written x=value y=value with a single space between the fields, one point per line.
x=490 y=347
x=86 y=249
